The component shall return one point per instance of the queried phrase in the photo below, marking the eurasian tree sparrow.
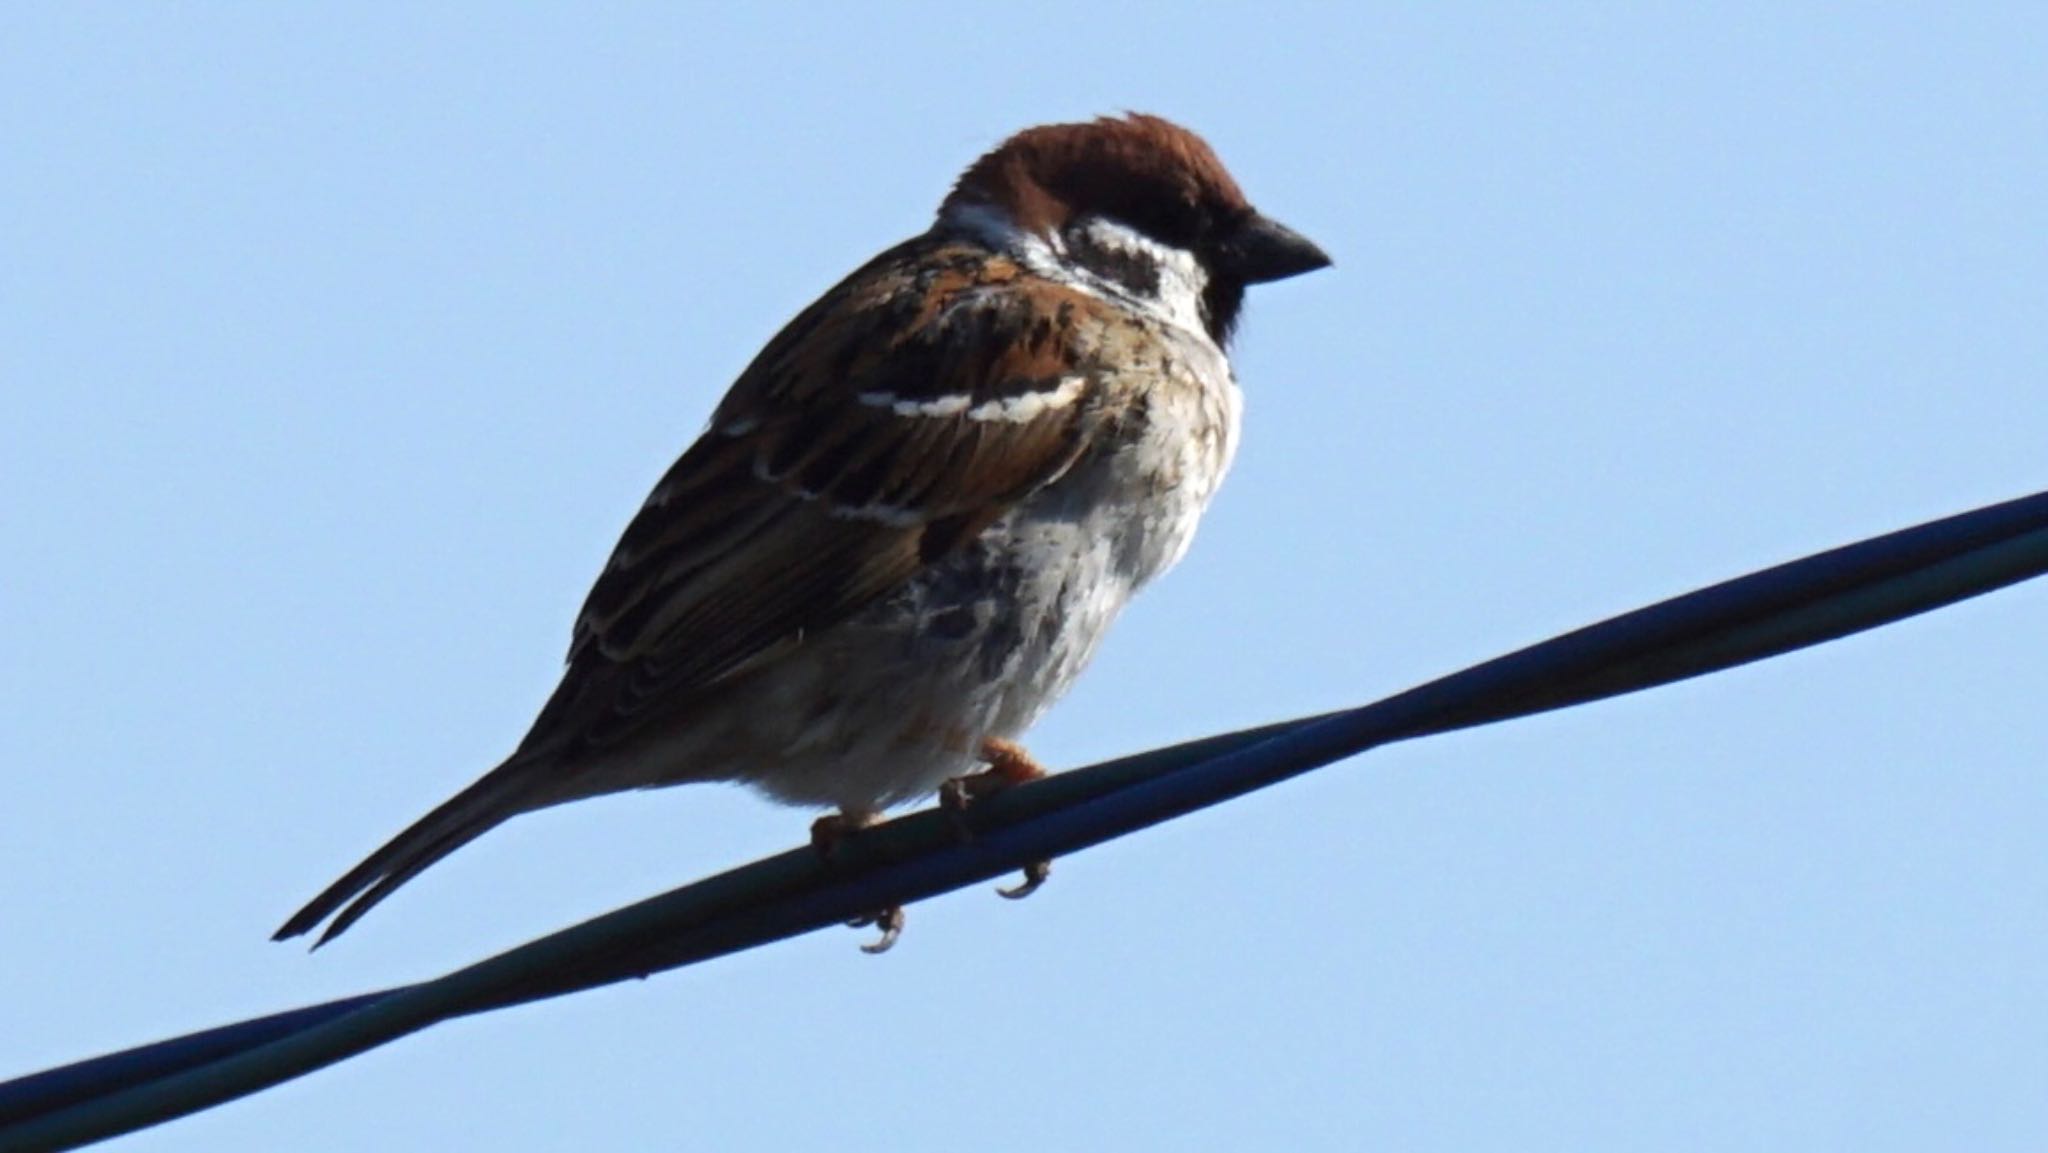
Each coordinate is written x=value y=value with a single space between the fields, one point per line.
x=918 y=510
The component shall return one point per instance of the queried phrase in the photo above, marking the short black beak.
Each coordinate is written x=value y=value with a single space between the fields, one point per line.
x=1263 y=249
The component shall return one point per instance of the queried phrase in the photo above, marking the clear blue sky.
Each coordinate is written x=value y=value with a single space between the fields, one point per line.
x=338 y=346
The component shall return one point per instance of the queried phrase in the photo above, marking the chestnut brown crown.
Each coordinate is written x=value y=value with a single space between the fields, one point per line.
x=1146 y=172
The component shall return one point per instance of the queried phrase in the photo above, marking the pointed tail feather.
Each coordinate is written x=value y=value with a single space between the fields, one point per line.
x=461 y=819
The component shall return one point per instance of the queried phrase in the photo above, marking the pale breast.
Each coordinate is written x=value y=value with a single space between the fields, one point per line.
x=984 y=640
x=1168 y=455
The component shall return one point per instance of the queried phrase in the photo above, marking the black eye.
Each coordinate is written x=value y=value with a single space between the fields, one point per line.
x=1182 y=224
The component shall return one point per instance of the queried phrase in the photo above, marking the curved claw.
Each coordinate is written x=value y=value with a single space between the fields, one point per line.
x=890 y=921
x=1035 y=874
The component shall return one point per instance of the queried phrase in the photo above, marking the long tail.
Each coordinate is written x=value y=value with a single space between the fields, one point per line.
x=461 y=819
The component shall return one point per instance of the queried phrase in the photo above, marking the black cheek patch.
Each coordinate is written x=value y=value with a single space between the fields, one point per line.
x=1134 y=271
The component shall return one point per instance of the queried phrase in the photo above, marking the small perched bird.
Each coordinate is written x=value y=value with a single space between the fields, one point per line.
x=915 y=514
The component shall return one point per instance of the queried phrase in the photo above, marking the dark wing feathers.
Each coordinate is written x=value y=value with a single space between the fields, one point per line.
x=848 y=455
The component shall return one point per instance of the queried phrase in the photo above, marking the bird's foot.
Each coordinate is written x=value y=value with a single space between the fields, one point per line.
x=827 y=834
x=1008 y=765
x=831 y=830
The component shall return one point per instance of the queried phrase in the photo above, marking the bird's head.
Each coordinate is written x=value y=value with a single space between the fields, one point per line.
x=1138 y=205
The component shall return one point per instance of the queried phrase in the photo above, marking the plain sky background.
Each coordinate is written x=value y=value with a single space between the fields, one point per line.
x=337 y=346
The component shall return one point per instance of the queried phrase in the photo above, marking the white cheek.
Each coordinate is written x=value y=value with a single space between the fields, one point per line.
x=1182 y=279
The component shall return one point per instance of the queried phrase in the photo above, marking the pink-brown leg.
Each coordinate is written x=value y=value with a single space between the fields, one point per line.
x=827 y=834
x=831 y=830
x=1009 y=765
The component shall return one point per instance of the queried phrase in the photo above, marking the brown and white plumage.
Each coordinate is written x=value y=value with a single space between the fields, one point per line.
x=915 y=513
